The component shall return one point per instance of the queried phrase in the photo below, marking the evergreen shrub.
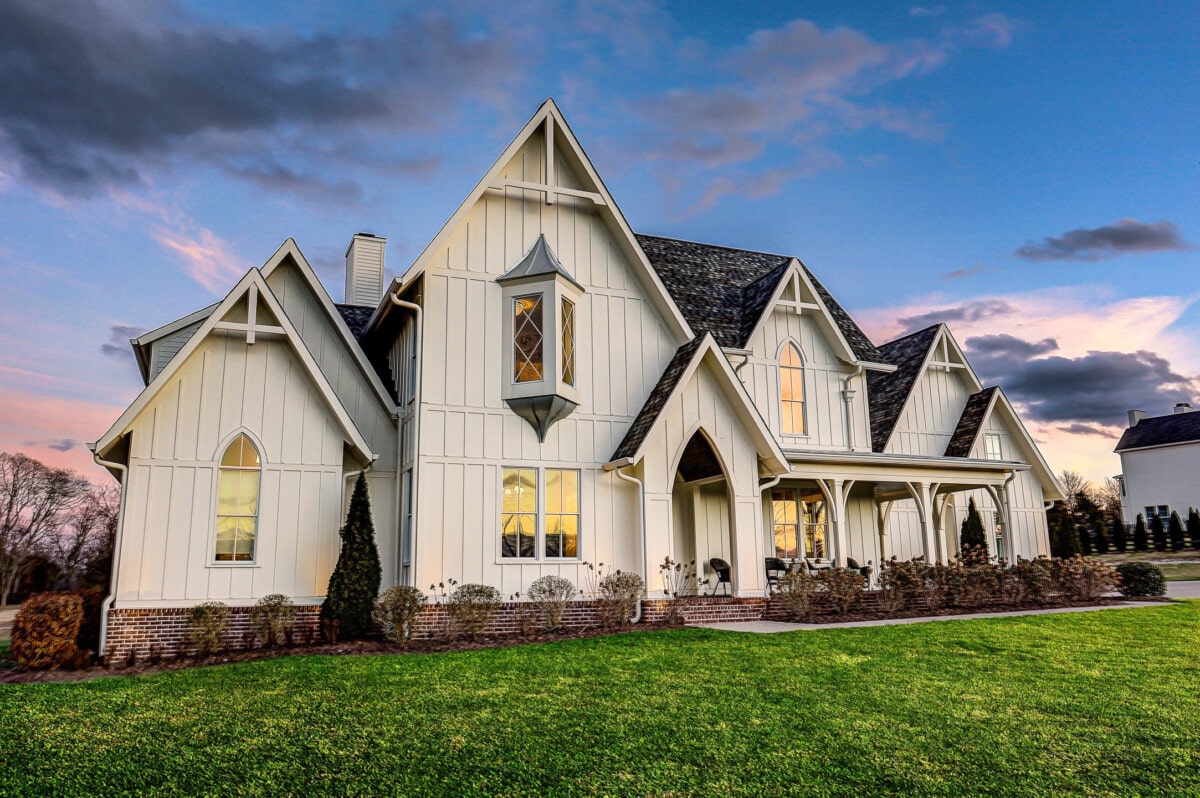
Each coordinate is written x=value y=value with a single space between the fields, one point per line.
x=971 y=533
x=1141 y=579
x=1193 y=527
x=1158 y=533
x=1120 y=540
x=354 y=584
x=1140 y=541
x=1175 y=530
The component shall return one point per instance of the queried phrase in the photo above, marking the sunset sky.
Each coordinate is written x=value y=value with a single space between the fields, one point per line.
x=1027 y=172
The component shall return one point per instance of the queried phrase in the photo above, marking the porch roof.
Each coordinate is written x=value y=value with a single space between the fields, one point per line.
x=876 y=467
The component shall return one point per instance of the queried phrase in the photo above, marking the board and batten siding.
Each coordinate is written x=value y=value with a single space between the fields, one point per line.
x=177 y=440
x=468 y=434
x=931 y=415
x=825 y=413
x=167 y=347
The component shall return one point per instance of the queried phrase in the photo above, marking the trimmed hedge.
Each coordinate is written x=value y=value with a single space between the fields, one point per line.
x=1141 y=579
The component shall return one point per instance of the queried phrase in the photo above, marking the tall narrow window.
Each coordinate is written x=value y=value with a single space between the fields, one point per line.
x=568 y=341
x=518 y=513
x=991 y=447
x=791 y=390
x=814 y=530
x=786 y=522
x=562 y=512
x=407 y=498
x=237 y=502
x=527 y=338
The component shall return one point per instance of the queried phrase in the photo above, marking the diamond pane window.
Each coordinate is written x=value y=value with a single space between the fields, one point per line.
x=237 y=502
x=791 y=391
x=527 y=338
x=518 y=513
x=568 y=341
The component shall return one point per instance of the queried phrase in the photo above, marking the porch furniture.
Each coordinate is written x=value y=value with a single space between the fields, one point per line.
x=723 y=570
x=815 y=564
x=865 y=570
x=776 y=568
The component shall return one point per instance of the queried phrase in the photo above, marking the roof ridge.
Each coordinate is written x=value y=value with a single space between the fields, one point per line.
x=913 y=334
x=715 y=246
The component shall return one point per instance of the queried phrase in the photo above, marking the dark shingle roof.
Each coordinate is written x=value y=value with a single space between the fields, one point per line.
x=724 y=291
x=640 y=428
x=969 y=423
x=1161 y=430
x=887 y=393
x=356 y=317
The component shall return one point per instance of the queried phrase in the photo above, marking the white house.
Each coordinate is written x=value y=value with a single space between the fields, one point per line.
x=544 y=388
x=1160 y=464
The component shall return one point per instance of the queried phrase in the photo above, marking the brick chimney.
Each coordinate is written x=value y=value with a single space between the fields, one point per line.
x=364 y=269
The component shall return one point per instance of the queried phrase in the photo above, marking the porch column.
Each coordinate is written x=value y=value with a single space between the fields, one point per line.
x=884 y=512
x=920 y=493
x=841 y=547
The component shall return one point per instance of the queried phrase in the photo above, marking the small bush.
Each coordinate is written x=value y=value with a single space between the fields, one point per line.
x=1081 y=579
x=272 y=619
x=1036 y=578
x=796 y=592
x=396 y=611
x=936 y=586
x=841 y=588
x=207 y=623
x=550 y=595
x=975 y=586
x=900 y=583
x=45 y=630
x=1141 y=579
x=472 y=608
x=619 y=594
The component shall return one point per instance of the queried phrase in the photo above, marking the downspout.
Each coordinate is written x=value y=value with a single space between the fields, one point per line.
x=632 y=480
x=116 y=561
x=418 y=325
x=848 y=395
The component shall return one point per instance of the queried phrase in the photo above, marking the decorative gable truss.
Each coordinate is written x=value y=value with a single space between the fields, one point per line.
x=253 y=312
x=560 y=146
x=796 y=293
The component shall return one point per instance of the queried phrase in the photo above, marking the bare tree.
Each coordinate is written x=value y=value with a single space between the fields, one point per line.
x=34 y=499
x=1108 y=496
x=85 y=535
x=1073 y=484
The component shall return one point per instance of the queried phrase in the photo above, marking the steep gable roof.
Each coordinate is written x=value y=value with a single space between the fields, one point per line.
x=888 y=393
x=255 y=286
x=356 y=318
x=684 y=364
x=1161 y=431
x=725 y=291
x=970 y=422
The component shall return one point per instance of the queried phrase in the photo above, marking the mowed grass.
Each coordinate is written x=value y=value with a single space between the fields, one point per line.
x=1101 y=703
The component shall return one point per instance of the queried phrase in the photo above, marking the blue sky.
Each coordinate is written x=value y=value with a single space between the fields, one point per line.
x=1026 y=172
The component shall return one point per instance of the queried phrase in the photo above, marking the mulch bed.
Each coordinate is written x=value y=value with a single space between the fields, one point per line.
x=921 y=612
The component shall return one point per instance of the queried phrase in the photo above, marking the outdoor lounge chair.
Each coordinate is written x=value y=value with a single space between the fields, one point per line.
x=865 y=570
x=775 y=569
x=722 y=570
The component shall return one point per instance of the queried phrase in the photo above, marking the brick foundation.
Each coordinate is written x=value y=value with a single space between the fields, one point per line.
x=165 y=629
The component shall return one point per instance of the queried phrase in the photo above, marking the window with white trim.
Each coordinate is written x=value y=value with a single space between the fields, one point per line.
x=540 y=512
x=991 y=447
x=239 y=478
x=785 y=512
x=568 y=341
x=791 y=391
x=527 y=338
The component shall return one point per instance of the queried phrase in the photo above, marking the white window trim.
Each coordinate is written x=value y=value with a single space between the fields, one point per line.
x=539 y=538
x=803 y=368
x=214 y=505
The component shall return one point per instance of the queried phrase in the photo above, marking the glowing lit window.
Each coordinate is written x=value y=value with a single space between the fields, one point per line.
x=527 y=338
x=562 y=513
x=237 y=502
x=568 y=341
x=518 y=513
x=786 y=515
x=791 y=390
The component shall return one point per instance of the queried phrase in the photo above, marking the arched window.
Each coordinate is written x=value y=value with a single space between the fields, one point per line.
x=237 y=502
x=791 y=390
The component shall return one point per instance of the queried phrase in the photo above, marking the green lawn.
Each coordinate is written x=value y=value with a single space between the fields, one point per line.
x=1182 y=565
x=1089 y=704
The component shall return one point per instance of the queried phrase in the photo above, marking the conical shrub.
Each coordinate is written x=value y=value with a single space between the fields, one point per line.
x=354 y=585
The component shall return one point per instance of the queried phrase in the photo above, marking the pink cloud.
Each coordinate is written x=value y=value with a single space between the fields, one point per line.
x=53 y=429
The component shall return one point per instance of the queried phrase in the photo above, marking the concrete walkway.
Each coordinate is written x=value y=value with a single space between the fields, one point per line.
x=769 y=627
x=1183 y=590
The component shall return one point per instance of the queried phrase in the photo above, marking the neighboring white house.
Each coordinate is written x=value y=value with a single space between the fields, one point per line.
x=1160 y=464
x=541 y=389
